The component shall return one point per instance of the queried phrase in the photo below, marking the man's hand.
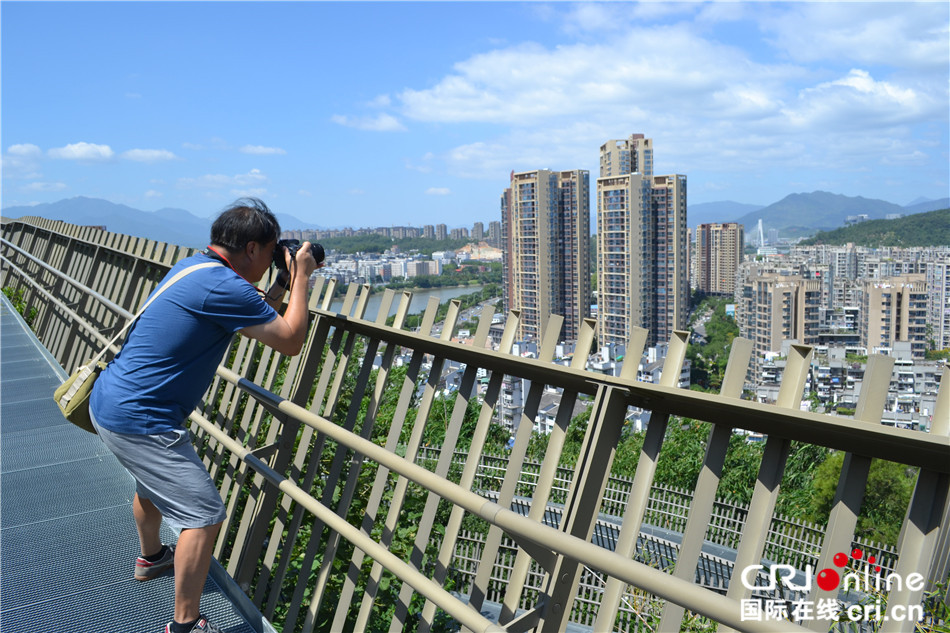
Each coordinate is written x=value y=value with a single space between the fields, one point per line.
x=305 y=259
x=287 y=332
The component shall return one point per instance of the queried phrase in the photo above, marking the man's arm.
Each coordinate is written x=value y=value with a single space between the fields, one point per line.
x=286 y=334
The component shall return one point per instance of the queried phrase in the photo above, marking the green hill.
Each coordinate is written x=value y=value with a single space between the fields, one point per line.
x=919 y=229
x=801 y=214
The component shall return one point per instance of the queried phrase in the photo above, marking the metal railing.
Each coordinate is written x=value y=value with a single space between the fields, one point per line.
x=331 y=516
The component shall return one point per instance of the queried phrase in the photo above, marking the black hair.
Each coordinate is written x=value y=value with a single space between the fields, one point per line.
x=246 y=220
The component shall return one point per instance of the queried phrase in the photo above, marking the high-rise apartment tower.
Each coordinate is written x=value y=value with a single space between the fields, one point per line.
x=718 y=255
x=642 y=254
x=545 y=227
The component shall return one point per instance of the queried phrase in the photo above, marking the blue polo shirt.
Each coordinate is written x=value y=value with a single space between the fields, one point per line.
x=171 y=353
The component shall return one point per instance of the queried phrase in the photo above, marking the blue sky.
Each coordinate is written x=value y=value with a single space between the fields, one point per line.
x=366 y=114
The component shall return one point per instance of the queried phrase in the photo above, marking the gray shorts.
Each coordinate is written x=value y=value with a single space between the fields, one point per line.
x=168 y=472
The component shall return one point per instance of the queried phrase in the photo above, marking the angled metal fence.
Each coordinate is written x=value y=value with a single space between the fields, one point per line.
x=339 y=519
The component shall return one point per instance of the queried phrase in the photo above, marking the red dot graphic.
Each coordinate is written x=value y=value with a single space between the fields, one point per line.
x=878 y=568
x=828 y=579
x=871 y=560
x=840 y=559
x=856 y=554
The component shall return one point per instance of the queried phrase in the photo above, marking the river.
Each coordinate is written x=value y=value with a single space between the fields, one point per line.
x=420 y=298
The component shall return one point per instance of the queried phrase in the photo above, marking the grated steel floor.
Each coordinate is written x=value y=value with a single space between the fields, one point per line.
x=67 y=537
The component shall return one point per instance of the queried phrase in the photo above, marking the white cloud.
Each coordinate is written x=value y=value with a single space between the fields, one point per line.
x=25 y=150
x=424 y=167
x=22 y=162
x=379 y=123
x=45 y=186
x=858 y=101
x=914 y=157
x=84 y=152
x=260 y=150
x=151 y=193
x=148 y=155
x=222 y=181
x=438 y=191
x=909 y=35
x=707 y=104
x=254 y=192
x=638 y=75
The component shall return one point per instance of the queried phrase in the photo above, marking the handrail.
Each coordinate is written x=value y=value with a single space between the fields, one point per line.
x=75 y=316
x=874 y=440
x=73 y=282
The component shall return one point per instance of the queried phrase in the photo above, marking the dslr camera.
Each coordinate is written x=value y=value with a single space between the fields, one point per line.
x=292 y=247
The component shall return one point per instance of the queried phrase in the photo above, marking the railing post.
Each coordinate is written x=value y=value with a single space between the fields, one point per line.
x=583 y=502
x=941 y=417
x=853 y=480
x=704 y=496
x=920 y=540
x=356 y=460
x=465 y=393
x=516 y=461
x=639 y=494
x=546 y=476
x=340 y=363
x=300 y=469
x=756 y=528
x=412 y=449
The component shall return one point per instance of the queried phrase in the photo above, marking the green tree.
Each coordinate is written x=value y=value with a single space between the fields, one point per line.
x=885 y=500
x=708 y=360
x=19 y=304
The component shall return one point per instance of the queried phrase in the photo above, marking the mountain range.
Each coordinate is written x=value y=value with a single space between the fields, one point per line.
x=803 y=214
x=796 y=215
x=175 y=226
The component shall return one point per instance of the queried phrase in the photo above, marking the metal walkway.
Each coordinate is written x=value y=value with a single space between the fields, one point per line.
x=67 y=536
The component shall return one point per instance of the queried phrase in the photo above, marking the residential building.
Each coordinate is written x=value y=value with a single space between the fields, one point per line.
x=894 y=309
x=718 y=255
x=441 y=232
x=938 y=303
x=494 y=233
x=642 y=254
x=416 y=268
x=546 y=231
x=507 y=247
x=775 y=307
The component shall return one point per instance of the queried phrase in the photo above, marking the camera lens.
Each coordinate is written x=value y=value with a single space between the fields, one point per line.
x=317 y=251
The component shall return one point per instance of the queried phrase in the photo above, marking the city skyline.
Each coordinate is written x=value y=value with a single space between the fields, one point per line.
x=189 y=105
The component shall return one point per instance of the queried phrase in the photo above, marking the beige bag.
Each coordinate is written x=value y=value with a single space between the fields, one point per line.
x=73 y=395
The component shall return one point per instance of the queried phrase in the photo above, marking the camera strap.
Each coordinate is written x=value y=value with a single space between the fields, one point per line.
x=213 y=253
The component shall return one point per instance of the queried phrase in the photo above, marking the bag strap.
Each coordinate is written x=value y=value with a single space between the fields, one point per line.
x=178 y=276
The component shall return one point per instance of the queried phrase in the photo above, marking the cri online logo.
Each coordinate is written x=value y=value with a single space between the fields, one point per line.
x=829 y=579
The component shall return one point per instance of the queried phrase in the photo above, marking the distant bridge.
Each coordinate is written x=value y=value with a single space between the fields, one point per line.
x=327 y=530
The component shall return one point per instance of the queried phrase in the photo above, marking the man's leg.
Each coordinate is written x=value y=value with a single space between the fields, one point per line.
x=192 y=562
x=148 y=520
